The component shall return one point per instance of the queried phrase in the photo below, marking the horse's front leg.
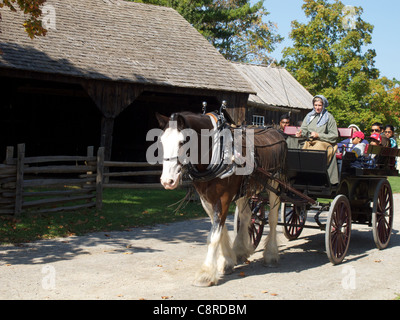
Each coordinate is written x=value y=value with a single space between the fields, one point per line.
x=271 y=252
x=220 y=257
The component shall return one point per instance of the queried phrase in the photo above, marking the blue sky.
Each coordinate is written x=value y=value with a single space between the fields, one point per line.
x=383 y=15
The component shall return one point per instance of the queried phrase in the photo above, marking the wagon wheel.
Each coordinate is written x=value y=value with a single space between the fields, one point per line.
x=382 y=214
x=294 y=218
x=256 y=227
x=338 y=229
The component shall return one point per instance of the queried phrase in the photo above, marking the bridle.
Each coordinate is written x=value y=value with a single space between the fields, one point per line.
x=171 y=159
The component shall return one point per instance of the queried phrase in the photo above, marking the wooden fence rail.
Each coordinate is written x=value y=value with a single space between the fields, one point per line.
x=62 y=183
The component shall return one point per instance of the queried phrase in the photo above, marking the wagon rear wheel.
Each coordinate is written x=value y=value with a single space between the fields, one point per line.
x=382 y=214
x=294 y=219
x=338 y=229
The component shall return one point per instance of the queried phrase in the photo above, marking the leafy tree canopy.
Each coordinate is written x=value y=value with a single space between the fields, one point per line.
x=235 y=27
x=331 y=56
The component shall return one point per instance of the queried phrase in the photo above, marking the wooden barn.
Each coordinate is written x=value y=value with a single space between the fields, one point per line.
x=278 y=93
x=100 y=74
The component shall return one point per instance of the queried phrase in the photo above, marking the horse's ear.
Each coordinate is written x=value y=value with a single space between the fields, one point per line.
x=180 y=122
x=162 y=120
x=179 y=119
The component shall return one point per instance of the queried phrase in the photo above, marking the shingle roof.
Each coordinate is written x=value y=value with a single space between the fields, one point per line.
x=275 y=87
x=120 y=41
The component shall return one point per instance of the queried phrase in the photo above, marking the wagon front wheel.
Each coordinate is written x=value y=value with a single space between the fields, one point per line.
x=382 y=214
x=338 y=229
x=258 y=220
x=294 y=218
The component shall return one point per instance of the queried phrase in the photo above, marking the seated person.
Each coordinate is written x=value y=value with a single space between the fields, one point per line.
x=284 y=122
x=367 y=161
x=356 y=128
x=373 y=160
x=375 y=139
x=389 y=132
x=320 y=128
x=356 y=144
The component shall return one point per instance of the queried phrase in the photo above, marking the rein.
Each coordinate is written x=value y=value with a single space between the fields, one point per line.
x=171 y=159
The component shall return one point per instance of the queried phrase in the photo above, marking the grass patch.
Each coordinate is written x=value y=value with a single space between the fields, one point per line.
x=395 y=184
x=122 y=209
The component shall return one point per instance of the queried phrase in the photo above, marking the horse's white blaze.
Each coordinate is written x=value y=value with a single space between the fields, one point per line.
x=171 y=172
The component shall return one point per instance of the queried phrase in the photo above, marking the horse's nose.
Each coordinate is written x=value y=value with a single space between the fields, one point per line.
x=168 y=183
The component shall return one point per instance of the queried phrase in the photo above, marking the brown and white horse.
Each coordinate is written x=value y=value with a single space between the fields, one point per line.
x=217 y=194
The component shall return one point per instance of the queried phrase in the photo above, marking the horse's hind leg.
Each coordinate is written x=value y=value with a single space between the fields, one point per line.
x=271 y=252
x=242 y=245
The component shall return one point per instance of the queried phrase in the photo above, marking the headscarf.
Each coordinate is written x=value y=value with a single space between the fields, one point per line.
x=323 y=116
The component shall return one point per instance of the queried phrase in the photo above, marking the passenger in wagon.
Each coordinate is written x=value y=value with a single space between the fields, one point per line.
x=377 y=128
x=375 y=139
x=284 y=122
x=356 y=144
x=389 y=132
x=320 y=128
x=373 y=160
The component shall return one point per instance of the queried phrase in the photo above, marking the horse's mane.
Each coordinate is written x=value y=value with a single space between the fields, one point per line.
x=270 y=150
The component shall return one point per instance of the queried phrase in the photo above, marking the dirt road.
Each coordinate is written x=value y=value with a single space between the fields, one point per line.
x=160 y=262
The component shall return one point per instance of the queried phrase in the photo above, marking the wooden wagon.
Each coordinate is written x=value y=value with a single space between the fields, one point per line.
x=362 y=196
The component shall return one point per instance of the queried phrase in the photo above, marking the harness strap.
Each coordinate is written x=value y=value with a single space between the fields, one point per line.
x=214 y=118
x=217 y=166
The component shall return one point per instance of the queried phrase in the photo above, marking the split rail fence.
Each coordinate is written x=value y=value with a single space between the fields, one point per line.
x=62 y=183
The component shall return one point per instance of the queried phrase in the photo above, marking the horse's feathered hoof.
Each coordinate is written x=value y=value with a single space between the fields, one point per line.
x=205 y=279
x=203 y=284
x=271 y=263
x=227 y=270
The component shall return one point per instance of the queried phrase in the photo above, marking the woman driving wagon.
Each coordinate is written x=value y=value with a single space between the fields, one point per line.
x=320 y=129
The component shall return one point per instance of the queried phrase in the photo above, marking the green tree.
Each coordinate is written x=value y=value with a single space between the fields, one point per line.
x=384 y=101
x=329 y=57
x=31 y=8
x=235 y=27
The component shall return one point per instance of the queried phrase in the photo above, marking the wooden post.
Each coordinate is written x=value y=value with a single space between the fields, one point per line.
x=19 y=186
x=107 y=127
x=9 y=154
x=89 y=154
x=111 y=98
x=99 y=178
x=90 y=151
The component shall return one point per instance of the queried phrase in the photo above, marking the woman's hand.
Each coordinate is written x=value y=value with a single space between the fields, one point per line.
x=314 y=135
x=298 y=134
